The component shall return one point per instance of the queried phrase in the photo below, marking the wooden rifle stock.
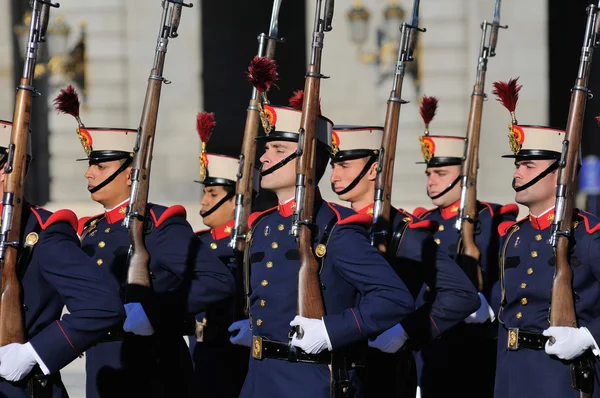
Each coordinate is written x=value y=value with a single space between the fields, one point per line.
x=138 y=273
x=385 y=170
x=12 y=322
x=310 y=299
x=469 y=254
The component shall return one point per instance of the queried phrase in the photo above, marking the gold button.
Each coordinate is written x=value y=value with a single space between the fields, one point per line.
x=530 y=271
x=519 y=315
x=213 y=245
x=523 y=285
x=441 y=228
x=263 y=303
x=280 y=227
x=101 y=244
x=269 y=264
x=107 y=230
x=258 y=322
x=524 y=301
x=264 y=282
x=274 y=245
x=99 y=261
x=538 y=237
x=437 y=241
x=534 y=254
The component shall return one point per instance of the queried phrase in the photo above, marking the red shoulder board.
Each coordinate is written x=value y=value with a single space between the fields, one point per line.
x=591 y=222
x=172 y=211
x=511 y=209
x=63 y=215
x=506 y=225
x=252 y=218
x=488 y=206
x=421 y=211
x=202 y=231
x=361 y=219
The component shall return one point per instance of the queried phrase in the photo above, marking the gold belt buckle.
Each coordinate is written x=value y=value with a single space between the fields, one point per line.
x=256 y=347
x=513 y=339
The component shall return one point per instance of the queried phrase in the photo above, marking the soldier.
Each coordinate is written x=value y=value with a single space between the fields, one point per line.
x=55 y=273
x=416 y=259
x=217 y=370
x=462 y=361
x=362 y=295
x=152 y=359
x=527 y=271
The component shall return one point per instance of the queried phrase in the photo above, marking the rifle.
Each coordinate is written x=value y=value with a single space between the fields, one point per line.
x=12 y=322
x=385 y=168
x=138 y=274
x=310 y=300
x=562 y=307
x=466 y=220
x=245 y=175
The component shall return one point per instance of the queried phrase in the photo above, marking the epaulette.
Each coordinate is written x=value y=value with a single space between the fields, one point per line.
x=422 y=212
x=46 y=218
x=258 y=214
x=84 y=223
x=510 y=208
x=416 y=223
x=353 y=218
x=506 y=225
x=159 y=215
x=591 y=222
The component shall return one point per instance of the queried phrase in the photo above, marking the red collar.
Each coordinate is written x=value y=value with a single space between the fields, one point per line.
x=368 y=210
x=450 y=211
x=543 y=221
x=287 y=209
x=117 y=214
x=223 y=231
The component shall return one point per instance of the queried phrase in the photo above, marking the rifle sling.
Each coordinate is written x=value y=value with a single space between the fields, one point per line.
x=26 y=250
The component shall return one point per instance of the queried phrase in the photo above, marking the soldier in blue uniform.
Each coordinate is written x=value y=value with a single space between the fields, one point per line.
x=416 y=259
x=147 y=355
x=219 y=366
x=527 y=365
x=362 y=295
x=55 y=273
x=463 y=361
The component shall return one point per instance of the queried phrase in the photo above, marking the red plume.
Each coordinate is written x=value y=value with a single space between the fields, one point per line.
x=428 y=108
x=261 y=73
x=205 y=123
x=67 y=102
x=507 y=93
x=296 y=101
x=598 y=119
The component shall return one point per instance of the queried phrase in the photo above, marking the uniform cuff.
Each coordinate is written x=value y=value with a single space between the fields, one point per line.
x=37 y=358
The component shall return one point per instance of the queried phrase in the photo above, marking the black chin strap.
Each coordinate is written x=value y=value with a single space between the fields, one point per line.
x=219 y=204
x=113 y=176
x=543 y=174
x=372 y=159
x=279 y=165
x=445 y=191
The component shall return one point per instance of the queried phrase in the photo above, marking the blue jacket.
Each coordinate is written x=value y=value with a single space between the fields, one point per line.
x=362 y=294
x=186 y=277
x=527 y=262
x=60 y=274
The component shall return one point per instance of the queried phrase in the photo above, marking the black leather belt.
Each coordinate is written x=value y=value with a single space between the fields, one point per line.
x=262 y=348
x=519 y=339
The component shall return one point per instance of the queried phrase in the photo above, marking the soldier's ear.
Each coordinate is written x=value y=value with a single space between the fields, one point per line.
x=128 y=171
x=372 y=174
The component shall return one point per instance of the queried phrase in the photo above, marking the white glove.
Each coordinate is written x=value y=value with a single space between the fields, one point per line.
x=391 y=340
x=16 y=361
x=137 y=321
x=484 y=312
x=315 y=337
x=569 y=342
x=244 y=334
